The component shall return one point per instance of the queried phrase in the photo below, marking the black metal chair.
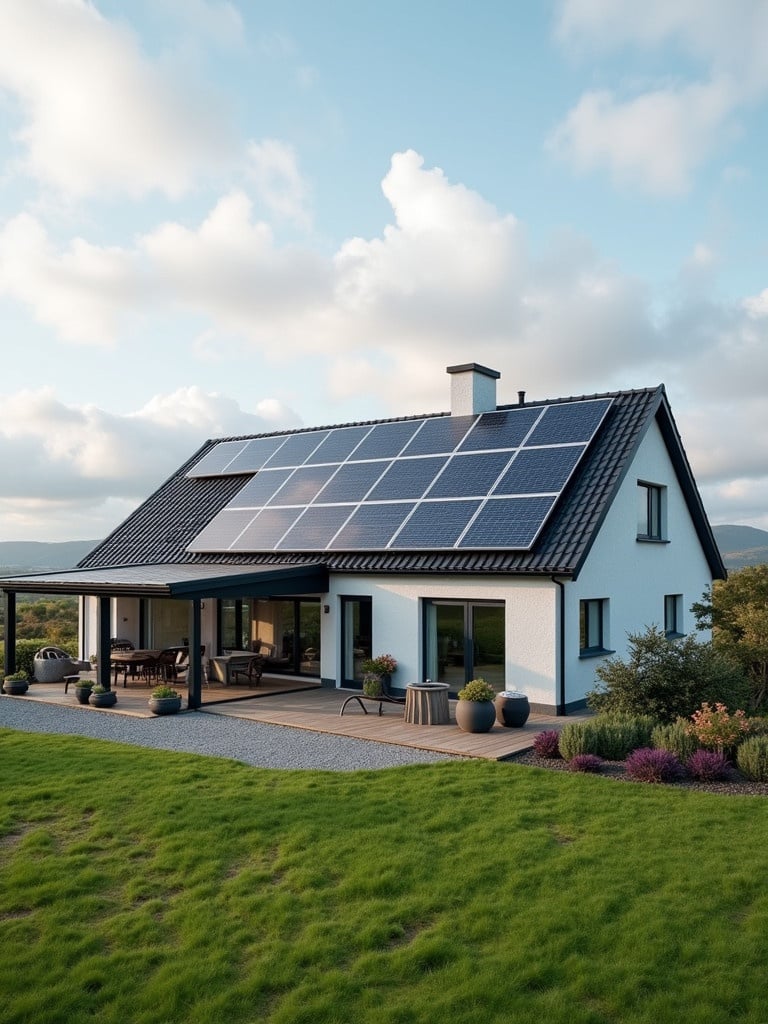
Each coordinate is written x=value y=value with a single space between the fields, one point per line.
x=253 y=671
x=385 y=697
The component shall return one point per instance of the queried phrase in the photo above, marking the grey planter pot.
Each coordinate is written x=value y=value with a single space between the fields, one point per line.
x=475 y=715
x=512 y=712
x=15 y=687
x=82 y=694
x=103 y=700
x=164 y=705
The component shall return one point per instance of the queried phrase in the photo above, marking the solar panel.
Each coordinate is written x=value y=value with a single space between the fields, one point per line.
x=222 y=530
x=255 y=454
x=315 y=530
x=467 y=475
x=215 y=461
x=435 y=524
x=386 y=440
x=265 y=530
x=507 y=523
x=339 y=444
x=297 y=448
x=352 y=481
x=507 y=429
x=260 y=488
x=444 y=482
x=439 y=435
x=569 y=422
x=370 y=525
x=540 y=470
x=406 y=478
x=302 y=485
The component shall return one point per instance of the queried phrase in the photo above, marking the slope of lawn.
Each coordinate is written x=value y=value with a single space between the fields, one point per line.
x=143 y=886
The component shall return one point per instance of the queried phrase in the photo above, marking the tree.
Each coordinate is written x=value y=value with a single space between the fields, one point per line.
x=736 y=610
x=668 y=678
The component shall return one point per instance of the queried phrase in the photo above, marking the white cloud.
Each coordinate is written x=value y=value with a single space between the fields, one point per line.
x=658 y=138
x=275 y=173
x=92 y=466
x=98 y=117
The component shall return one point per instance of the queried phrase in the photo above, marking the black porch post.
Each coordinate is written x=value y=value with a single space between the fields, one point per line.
x=9 y=666
x=102 y=654
x=195 y=676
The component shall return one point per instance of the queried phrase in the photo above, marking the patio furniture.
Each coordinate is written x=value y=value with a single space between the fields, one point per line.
x=253 y=671
x=135 y=662
x=74 y=680
x=427 y=704
x=116 y=644
x=385 y=697
x=273 y=662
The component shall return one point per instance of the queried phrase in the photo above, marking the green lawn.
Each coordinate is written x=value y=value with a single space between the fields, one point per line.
x=144 y=886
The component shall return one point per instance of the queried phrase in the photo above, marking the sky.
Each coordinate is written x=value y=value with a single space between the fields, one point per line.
x=224 y=218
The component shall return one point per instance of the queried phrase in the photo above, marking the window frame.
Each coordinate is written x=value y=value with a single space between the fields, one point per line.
x=651 y=512
x=593 y=615
x=673 y=616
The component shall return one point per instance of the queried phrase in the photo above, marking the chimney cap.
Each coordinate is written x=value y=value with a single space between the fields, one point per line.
x=474 y=367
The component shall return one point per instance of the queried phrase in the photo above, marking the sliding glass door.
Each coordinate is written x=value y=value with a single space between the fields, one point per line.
x=464 y=640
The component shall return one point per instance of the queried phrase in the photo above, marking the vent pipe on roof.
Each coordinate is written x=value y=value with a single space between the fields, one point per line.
x=521 y=398
x=473 y=389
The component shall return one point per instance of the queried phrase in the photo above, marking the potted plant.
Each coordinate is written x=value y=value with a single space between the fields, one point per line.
x=83 y=689
x=475 y=710
x=165 y=701
x=101 y=697
x=16 y=684
x=376 y=672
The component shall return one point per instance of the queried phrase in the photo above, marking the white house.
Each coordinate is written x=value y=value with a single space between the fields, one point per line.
x=521 y=543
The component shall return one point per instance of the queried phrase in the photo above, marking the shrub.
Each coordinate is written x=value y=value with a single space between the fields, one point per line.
x=477 y=689
x=611 y=737
x=758 y=726
x=667 y=679
x=17 y=677
x=547 y=744
x=164 y=691
x=716 y=729
x=585 y=763
x=649 y=765
x=752 y=758
x=577 y=738
x=676 y=737
x=709 y=766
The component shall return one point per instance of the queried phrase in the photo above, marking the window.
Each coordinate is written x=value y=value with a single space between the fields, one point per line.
x=593 y=626
x=650 y=511
x=462 y=640
x=673 y=615
x=356 y=634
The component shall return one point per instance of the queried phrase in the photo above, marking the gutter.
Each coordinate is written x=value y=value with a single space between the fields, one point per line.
x=561 y=657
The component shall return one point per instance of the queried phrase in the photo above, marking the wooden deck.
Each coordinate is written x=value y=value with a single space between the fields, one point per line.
x=278 y=702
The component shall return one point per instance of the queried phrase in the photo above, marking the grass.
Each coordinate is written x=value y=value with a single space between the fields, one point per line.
x=143 y=886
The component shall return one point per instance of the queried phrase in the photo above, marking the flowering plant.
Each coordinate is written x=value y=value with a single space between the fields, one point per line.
x=384 y=665
x=717 y=729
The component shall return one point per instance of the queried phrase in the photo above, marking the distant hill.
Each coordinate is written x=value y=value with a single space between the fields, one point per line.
x=741 y=545
x=23 y=556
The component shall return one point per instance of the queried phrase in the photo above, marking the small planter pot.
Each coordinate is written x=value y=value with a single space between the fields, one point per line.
x=164 y=705
x=475 y=715
x=512 y=709
x=103 y=700
x=15 y=687
x=82 y=694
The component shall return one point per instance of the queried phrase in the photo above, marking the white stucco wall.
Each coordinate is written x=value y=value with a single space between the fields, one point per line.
x=530 y=620
x=635 y=575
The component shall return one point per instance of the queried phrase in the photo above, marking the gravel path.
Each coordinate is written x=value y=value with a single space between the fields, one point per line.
x=255 y=743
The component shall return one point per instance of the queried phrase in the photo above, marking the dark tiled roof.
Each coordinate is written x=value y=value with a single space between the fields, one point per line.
x=160 y=530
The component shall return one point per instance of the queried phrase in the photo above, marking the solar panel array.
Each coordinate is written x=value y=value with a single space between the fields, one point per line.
x=447 y=482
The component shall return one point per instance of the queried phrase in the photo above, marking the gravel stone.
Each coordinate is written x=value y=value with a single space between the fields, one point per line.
x=195 y=732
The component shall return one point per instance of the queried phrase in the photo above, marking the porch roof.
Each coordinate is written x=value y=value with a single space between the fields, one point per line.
x=184 y=581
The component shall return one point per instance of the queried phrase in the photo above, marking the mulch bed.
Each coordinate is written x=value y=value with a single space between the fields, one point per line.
x=736 y=786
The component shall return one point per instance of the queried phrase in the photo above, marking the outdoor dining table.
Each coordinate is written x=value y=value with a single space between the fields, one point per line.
x=131 y=661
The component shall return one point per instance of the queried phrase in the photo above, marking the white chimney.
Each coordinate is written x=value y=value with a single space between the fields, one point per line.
x=473 y=389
